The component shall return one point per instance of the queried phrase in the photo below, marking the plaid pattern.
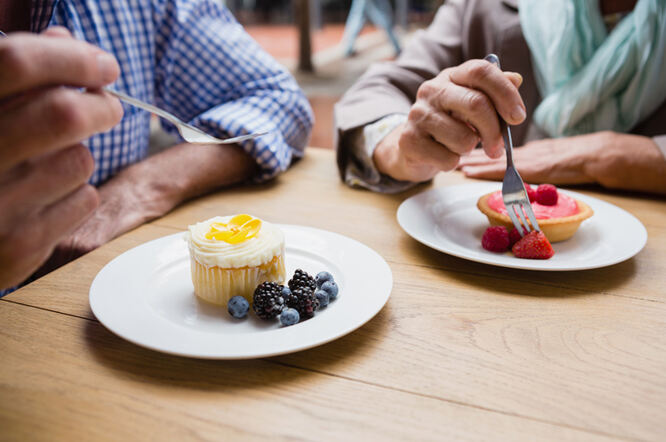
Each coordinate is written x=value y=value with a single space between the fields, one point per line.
x=193 y=59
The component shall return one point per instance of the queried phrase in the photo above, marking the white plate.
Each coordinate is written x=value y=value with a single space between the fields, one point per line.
x=448 y=220
x=146 y=296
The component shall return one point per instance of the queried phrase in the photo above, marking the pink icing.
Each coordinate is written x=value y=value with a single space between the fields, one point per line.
x=566 y=206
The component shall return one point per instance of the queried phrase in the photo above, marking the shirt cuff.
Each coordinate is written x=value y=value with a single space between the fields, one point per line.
x=361 y=171
x=660 y=141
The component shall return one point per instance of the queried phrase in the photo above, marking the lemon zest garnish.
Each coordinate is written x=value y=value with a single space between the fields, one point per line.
x=240 y=228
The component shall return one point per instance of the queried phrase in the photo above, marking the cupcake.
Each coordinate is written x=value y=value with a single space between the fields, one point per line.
x=558 y=221
x=232 y=255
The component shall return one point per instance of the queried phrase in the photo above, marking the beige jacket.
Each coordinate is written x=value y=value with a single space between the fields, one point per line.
x=461 y=30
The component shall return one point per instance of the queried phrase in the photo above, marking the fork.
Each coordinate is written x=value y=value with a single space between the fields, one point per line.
x=189 y=133
x=513 y=189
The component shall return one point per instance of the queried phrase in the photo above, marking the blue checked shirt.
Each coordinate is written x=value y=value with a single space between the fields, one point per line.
x=193 y=59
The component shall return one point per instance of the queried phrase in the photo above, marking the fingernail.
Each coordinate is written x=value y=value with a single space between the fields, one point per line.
x=518 y=113
x=520 y=79
x=108 y=67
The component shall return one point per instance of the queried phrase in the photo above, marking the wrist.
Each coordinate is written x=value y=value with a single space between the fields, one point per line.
x=385 y=155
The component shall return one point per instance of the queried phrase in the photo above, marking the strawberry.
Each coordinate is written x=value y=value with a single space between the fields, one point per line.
x=534 y=245
x=495 y=239
x=546 y=194
x=531 y=193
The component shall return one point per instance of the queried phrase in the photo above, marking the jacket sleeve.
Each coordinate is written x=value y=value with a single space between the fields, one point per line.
x=390 y=88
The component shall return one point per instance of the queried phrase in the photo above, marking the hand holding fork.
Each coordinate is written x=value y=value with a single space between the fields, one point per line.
x=513 y=189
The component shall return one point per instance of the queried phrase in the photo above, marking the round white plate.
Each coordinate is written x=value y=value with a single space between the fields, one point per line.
x=448 y=220
x=146 y=296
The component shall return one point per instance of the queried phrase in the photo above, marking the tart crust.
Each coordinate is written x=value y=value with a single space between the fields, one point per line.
x=555 y=229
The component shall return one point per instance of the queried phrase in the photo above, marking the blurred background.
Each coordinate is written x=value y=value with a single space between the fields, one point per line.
x=308 y=37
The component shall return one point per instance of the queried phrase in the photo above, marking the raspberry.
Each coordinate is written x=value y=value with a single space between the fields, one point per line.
x=546 y=194
x=267 y=301
x=534 y=245
x=495 y=239
x=514 y=237
x=531 y=193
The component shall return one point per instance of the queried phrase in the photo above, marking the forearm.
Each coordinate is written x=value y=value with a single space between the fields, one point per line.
x=155 y=186
x=629 y=162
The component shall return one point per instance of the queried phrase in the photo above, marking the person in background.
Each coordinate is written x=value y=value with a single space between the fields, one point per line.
x=379 y=12
x=591 y=106
x=74 y=171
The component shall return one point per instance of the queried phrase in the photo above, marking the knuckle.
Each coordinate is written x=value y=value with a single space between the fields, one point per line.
x=116 y=111
x=66 y=111
x=408 y=136
x=14 y=60
x=427 y=90
x=480 y=70
x=469 y=141
x=476 y=102
x=81 y=159
x=417 y=113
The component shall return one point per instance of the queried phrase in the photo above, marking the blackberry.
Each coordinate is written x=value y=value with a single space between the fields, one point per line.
x=267 y=301
x=304 y=301
x=302 y=280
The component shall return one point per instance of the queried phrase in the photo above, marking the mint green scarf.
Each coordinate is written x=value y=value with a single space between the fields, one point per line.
x=592 y=80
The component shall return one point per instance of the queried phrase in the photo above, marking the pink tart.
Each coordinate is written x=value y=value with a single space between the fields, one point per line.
x=558 y=222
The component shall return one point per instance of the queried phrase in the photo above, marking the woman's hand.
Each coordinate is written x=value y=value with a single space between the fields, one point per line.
x=453 y=113
x=614 y=160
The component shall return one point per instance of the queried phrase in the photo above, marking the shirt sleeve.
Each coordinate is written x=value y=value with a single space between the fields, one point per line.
x=211 y=73
x=362 y=171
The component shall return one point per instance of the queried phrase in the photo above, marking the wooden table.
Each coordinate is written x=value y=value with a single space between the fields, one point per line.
x=461 y=351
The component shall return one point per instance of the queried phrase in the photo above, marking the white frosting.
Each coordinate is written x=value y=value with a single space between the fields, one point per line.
x=260 y=249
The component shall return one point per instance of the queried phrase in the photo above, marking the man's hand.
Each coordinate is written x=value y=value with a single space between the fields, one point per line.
x=43 y=166
x=453 y=113
x=614 y=160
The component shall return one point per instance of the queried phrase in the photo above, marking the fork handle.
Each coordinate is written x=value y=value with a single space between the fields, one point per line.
x=504 y=128
x=143 y=105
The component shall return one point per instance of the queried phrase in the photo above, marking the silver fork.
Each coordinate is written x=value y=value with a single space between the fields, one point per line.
x=189 y=133
x=513 y=189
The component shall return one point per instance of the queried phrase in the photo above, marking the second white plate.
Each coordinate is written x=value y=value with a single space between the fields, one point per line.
x=146 y=296
x=448 y=220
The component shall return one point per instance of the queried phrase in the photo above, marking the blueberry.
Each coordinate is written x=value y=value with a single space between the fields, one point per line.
x=238 y=307
x=289 y=316
x=286 y=291
x=322 y=277
x=331 y=288
x=322 y=297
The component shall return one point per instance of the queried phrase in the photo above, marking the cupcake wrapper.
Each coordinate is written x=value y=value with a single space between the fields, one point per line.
x=217 y=285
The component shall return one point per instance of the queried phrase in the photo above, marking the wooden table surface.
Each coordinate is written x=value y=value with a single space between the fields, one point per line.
x=461 y=350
